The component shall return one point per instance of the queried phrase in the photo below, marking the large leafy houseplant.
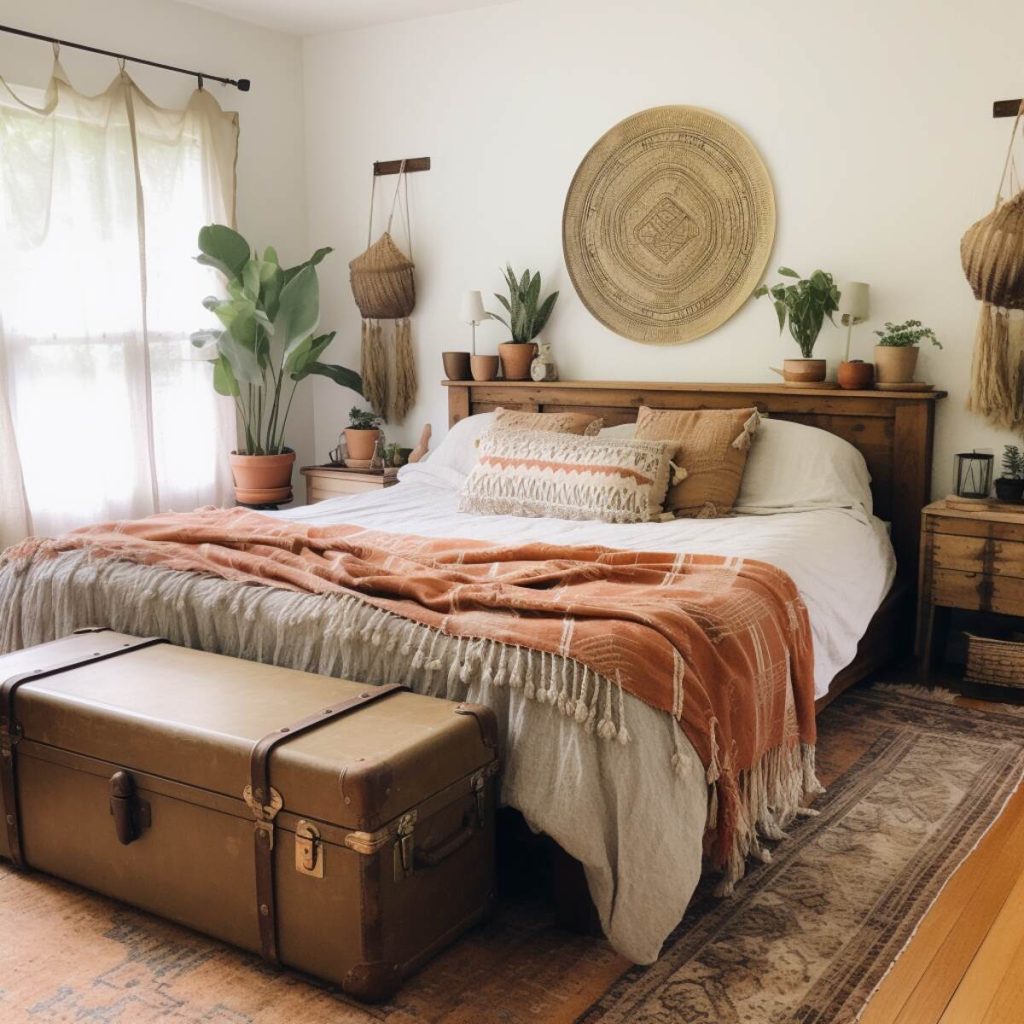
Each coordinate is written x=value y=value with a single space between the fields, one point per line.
x=525 y=316
x=267 y=341
x=804 y=304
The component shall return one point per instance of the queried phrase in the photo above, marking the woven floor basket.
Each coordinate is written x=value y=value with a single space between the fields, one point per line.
x=994 y=661
x=382 y=281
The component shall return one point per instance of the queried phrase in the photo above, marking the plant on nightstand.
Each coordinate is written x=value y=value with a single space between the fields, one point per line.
x=267 y=339
x=361 y=434
x=896 y=354
x=804 y=304
x=1010 y=486
x=525 y=316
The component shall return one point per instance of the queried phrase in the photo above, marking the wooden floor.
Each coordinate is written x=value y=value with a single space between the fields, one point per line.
x=965 y=965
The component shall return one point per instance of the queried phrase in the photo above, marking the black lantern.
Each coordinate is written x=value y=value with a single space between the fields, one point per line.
x=974 y=474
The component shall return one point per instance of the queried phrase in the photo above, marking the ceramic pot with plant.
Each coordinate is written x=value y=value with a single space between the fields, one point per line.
x=266 y=344
x=1010 y=486
x=525 y=316
x=804 y=304
x=361 y=434
x=896 y=354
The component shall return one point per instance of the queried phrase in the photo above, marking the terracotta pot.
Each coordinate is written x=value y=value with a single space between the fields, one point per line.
x=895 y=364
x=456 y=365
x=856 y=375
x=262 y=479
x=360 y=443
x=484 y=367
x=802 y=371
x=516 y=358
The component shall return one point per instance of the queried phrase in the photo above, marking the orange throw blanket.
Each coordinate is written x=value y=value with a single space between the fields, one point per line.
x=721 y=644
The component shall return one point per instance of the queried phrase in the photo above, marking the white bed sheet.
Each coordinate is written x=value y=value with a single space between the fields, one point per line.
x=841 y=560
x=635 y=823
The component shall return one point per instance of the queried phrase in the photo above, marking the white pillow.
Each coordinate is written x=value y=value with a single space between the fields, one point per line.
x=794 y=466
x=620 y=432
x=457 y=450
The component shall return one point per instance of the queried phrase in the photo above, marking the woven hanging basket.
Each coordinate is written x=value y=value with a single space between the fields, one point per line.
x=383 y=283
x=992 y=254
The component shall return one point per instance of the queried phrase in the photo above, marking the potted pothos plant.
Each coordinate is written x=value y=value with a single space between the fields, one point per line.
x=803 y=304
x=525 y=316
x=897 y=351
x=1010 y=486
x=265 y=345
x=362 y=433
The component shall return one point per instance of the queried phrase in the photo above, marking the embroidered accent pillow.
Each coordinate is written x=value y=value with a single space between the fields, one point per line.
x=539 y=473
x=561 y=422
x=713 y=446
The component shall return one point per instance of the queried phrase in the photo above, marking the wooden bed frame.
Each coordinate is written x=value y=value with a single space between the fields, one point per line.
x=892 y=429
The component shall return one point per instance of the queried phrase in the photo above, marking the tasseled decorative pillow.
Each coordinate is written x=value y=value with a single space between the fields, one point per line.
x=564 y=476
x=560 y=422
x=713 y=446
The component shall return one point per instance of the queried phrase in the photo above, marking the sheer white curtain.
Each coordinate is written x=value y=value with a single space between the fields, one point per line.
x=104 y=411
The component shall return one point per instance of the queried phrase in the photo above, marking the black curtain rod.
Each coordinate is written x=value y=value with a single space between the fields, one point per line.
x=242 y=84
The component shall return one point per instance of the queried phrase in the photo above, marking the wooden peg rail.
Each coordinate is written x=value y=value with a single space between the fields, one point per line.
x=416 y=163
x=1006 y=108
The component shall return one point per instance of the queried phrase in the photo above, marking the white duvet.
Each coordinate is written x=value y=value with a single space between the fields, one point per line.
x=634 y=823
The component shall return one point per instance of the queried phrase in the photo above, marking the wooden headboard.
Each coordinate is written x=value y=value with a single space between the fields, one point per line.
x=892 y=429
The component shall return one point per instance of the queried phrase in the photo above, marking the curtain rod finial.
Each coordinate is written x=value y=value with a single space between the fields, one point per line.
x=243 y=85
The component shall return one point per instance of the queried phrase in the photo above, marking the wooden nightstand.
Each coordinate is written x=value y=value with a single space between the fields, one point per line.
x=972 y=558
x=332 y=481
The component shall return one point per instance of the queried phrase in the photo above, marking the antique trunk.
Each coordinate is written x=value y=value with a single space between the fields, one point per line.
x=130 y=767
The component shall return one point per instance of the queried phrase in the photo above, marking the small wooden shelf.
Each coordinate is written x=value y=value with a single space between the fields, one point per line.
x=331 y=481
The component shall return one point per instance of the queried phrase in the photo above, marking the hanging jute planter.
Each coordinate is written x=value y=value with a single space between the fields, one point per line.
x=385 y=289
x=992 y=253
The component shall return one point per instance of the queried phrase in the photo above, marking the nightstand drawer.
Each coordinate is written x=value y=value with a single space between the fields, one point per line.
x=978 y=554
x=976 y=591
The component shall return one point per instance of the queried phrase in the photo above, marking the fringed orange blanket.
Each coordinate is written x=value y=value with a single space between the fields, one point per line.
x=721 y=644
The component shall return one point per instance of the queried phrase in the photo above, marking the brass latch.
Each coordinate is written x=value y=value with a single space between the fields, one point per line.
x=404 y=846
x=309 y=853
x=480 y=792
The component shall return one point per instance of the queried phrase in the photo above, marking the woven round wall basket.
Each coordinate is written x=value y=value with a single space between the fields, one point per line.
x=382 y=278
x=668 y=224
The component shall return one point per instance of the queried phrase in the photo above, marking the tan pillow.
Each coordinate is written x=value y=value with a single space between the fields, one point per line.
x=560 y=422
x=541 y=473
x=713 y=447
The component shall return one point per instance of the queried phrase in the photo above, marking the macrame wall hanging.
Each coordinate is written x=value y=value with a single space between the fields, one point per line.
x=385 y=290
x=992 y=253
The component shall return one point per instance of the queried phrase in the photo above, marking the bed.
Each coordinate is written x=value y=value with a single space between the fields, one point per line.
x=634 y=824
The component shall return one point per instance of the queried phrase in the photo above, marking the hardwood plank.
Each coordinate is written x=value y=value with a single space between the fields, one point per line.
x=988 y=984
x=924 y=978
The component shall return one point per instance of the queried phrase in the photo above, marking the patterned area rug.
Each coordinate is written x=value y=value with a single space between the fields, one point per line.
x=913 y=784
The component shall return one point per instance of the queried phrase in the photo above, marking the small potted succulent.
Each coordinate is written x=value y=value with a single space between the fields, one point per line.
x=804 y=305
x=1010 y=486
x=361 y=434
x=525 y=316
x=896 y=354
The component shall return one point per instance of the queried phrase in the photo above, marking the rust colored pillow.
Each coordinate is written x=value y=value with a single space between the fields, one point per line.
x=713 y=447
x=558 y=422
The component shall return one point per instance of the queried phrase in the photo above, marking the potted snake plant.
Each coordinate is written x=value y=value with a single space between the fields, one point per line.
x=265 y=345
x=525 y=316
x=804 y=305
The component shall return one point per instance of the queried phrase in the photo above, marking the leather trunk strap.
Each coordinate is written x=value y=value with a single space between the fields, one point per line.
x=265 y=803
x=10 y=731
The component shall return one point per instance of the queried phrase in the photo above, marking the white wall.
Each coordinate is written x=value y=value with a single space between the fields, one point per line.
x=271 y=181
x=873 y=118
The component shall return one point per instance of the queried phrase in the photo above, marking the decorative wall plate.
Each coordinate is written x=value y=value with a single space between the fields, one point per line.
x=668 y=224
